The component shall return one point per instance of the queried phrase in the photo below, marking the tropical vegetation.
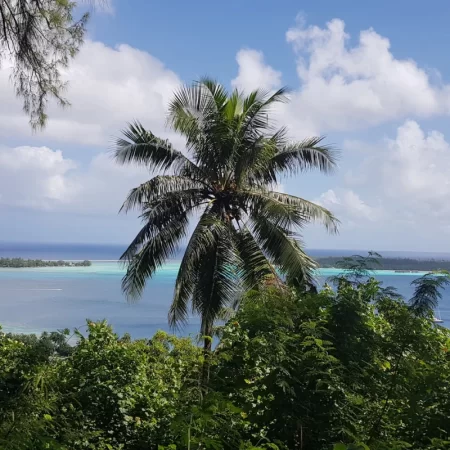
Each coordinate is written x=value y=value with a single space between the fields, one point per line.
x=18 y=263
x=352 y=366
x=38 y=39
x=391 y=263
x=247 y=232
x=355 y=367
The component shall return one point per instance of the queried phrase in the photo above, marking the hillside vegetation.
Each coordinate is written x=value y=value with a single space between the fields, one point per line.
x=354 y=368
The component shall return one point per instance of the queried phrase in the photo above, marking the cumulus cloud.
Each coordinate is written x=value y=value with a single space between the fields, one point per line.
x=35 y=177
x=347 y=205
x=418 y=164
x=43 y=179
x=107 y=88
x=342 y=87
x=102 y=188
x=345 y=87
x=416 y=175
x=405 y=182
x=254 y=73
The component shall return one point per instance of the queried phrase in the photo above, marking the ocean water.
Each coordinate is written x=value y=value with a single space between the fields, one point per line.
x=51 y=298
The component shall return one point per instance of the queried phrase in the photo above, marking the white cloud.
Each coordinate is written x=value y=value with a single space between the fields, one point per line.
x=342 y=87
x=102 y=188
x=348 y=206
x=41 y=178
x=405 y=183
x=254 y=73
x=416 y=175
x=403 y=180
x=346 y=87
x=107 y=88
x=418 y=164
x=414 y=166
x=35 y=177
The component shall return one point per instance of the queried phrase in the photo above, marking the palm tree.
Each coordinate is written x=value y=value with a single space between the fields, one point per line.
x=427 y=292
x=246 y=231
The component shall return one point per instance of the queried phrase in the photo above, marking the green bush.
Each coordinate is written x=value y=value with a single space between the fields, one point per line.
x=354 y=368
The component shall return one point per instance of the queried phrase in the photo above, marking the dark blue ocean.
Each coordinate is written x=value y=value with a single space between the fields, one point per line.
x=34 y=300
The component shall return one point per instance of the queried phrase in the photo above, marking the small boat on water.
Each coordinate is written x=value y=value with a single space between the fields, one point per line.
x=407 y=271
x=438 y=319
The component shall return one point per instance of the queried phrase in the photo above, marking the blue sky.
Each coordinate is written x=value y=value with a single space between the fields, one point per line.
x=374 y=78
x=199 y=37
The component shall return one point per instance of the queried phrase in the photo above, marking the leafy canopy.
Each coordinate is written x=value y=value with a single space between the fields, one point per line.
x=354 y=368
x=247 y=232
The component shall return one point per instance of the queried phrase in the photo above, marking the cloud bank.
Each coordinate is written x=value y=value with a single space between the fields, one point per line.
x=401 y=177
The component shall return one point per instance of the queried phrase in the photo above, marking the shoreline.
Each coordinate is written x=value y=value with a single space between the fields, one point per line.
x=108 y=265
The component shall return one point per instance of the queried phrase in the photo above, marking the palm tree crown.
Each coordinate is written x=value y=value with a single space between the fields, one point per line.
x=246 y=231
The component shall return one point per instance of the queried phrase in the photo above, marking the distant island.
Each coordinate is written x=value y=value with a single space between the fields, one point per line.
x=325 y=262
x=398 y=264
x=17 y=263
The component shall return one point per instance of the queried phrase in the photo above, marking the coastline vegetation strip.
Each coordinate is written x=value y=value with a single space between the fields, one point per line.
x=398 y=264
x=406 y=265
x=18 y=263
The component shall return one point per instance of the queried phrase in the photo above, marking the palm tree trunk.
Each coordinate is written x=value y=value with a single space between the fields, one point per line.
x=207 y=349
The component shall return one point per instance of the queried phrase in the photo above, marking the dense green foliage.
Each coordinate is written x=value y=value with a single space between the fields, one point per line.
x=227 y=178
x=353 y=368
x=20 y=262
x=393 y=263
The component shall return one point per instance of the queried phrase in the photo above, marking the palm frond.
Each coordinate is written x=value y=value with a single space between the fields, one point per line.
x=311 y=211
x=258 y=202
x=159 y=186
x=158 y=213
x=427 y=291
x=202 y=238
x=188 y=110
x=207 y=274
x=255 y=118
x=143 y=147
x=171 y=205
x=282 y=249
x=235 y=156
x=197 y=112
x=216 y=90
x=256 y=107
x=299 y=157
x=192 y=105
x=250 y=158
x=286 y=210
x=233 y=106
x=145 y=258
x=166 y=223
x=217 y=281
x=255 y=268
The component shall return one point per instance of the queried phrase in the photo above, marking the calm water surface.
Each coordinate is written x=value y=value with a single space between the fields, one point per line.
x=33 y=300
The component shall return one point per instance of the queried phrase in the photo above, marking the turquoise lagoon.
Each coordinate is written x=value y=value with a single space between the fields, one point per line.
x=51 y=298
